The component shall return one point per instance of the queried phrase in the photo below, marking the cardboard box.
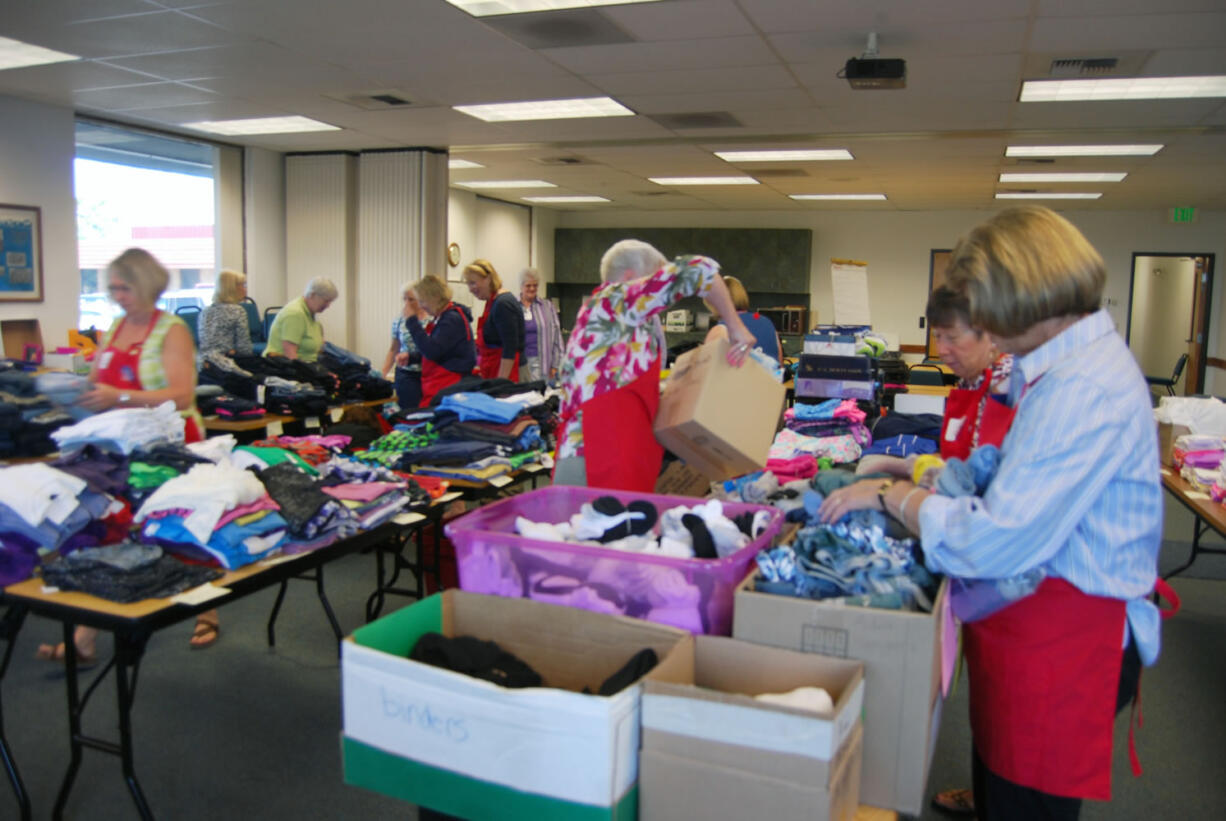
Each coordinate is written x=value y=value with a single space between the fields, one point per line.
x=721 y=420
x=699 y=705
x=17 y=334
x=467 y=747
x=74 y=362
x=1167 y=434
x=902 y=655
x=685 y=789
x=679 y=479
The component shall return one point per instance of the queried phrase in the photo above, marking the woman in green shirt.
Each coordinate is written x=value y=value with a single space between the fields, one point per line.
x=296 y=332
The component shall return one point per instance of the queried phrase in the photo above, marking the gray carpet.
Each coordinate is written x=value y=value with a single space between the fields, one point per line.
x=242 y=731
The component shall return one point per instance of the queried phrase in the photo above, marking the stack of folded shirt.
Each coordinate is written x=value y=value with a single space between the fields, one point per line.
x=217 y=511
x=43 y=509
x=124 y=429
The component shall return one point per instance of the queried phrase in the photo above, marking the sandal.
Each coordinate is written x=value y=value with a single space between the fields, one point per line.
x=55 y=652
x=955 y=802
x=205 y=633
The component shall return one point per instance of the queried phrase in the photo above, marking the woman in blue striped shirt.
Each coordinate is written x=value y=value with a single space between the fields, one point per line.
x=1077 y=502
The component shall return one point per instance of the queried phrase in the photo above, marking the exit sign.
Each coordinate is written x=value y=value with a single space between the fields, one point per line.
x=1184 y=214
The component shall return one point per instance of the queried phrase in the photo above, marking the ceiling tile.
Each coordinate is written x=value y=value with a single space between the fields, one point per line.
x=1146 y=31
x=662 y=56
x=710 y=80
x=877 y=15
x=697 y=19
x=58 y=80
x=152 y=95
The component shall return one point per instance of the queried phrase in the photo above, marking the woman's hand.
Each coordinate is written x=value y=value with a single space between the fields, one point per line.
x=402 y=360
x=740 y=341
x=100 y=398
x=860 y=495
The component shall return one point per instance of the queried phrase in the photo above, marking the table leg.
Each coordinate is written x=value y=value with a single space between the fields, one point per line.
x=10 y=626
x=129 y=648
x=1199 y=526
x=276 y=608
x=323 y=599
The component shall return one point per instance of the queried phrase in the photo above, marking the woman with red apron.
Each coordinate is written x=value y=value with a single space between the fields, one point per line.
x=446 y=342
x=610 y=374
x=1076 y=498
x=146 y=358
x=500 y=330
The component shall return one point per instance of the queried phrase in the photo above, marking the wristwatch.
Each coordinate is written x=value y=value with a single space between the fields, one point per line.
x=881 y=491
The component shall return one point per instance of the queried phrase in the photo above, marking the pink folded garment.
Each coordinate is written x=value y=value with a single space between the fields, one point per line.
x=789 y=470
x=362 y=491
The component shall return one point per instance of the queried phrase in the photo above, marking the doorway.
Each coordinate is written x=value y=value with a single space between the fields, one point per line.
x=1168 y=315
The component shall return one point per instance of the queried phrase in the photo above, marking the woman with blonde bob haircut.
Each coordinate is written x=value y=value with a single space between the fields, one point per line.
x=1052 y=564
x=223 y=325
x=500 y=330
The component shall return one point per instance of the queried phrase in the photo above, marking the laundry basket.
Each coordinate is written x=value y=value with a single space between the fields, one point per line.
x=693 y=594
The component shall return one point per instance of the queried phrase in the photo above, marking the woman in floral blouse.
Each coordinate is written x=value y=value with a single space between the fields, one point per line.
x=610 y=374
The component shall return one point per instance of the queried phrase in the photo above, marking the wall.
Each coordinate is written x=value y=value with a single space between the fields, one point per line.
x=504 y=233
x=896 y=246
x=264 y=221
x=36 y=154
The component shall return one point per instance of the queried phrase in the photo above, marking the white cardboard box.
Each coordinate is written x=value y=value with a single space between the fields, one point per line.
x=551 y=741
x=902 y=655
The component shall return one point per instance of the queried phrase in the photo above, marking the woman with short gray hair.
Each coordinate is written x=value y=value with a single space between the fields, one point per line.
x=542 y=331
x=296 y=333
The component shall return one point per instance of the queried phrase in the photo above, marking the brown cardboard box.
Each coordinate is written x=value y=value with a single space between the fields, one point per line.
x=901 y=652
x=679 y=479
x=683 y=788
x=699 y=703
x=1167 y=434
x=721 y=420
x=17 y=334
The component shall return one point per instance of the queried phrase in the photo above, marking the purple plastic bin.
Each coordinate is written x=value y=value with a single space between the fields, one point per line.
x=693 y=594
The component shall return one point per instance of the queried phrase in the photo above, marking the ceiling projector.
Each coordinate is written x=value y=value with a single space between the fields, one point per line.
x=872 y=72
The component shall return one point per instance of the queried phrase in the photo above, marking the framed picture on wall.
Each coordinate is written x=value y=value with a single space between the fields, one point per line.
x=21 y=253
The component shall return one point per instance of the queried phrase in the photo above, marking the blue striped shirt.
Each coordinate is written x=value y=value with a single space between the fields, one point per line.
x=1078 y=492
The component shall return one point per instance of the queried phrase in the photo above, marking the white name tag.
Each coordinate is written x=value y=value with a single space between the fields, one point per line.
x=951 y=430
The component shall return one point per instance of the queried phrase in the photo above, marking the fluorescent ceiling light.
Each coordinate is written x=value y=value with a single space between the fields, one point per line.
x=837 y=196
x=786 y=155
x=261 y=125
x=16 y=54
x=1082 y=150
x=703 y=180
x=577 y=108
x=1058 y=195
x=1071 y=176
x=463 y=164
x=565 y=199
x=506 y=184
x=486 y=8
x=1130 y=88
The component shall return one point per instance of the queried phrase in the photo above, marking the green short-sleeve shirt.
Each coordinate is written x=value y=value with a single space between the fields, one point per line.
x=296 y=325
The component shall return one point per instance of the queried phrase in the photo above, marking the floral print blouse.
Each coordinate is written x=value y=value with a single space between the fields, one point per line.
x=614 y=343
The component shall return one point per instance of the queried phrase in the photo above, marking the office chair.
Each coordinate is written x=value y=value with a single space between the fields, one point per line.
x=191 y=315
x=1169 y=384
x=925 y=374
x=269 y=315
x=254 y=326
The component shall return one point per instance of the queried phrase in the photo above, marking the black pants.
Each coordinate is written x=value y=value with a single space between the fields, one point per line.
x=999 y=799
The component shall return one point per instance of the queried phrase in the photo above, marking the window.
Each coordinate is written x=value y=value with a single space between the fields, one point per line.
x=143 y=190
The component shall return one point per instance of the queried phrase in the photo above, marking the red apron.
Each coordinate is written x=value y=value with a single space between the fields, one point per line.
x=1044 y=672
x=489 y=358
x=619 y=445
x=973 y=418
x=434 y=377
x=120 y=369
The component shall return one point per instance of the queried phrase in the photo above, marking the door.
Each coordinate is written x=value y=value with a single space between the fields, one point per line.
x=1168 y=315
